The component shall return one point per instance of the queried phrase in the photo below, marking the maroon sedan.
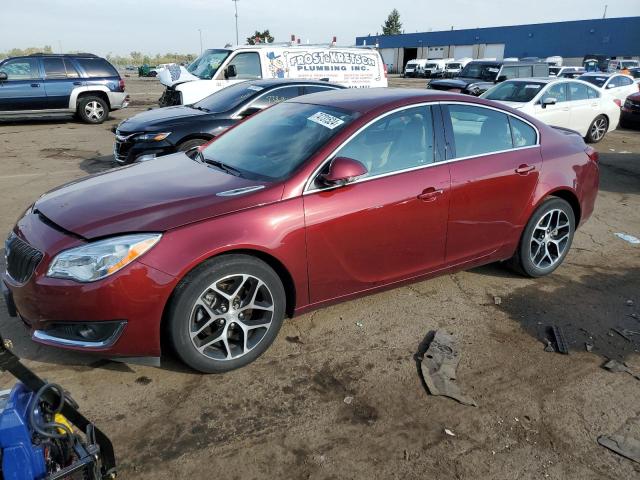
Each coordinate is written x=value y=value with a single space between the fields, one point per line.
x=316 y=200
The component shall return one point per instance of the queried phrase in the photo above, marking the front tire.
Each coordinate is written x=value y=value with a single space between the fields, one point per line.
x=597 y=129
x=226 y=313
x=92 y=109
x=546 y=239
x=189 y=144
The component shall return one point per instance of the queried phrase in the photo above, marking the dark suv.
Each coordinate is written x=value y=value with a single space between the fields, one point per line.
x=82 y=84
x=480 y=75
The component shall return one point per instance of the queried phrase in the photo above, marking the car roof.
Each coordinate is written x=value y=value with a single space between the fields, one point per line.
x=364 y=100
x=272 y=82
x=56 y=55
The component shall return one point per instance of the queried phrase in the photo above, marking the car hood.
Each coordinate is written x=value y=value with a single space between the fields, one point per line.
x=153 y=196
x=158 y=117
x=516 y=105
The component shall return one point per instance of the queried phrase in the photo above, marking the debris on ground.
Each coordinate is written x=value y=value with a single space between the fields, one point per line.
x=359 y=324
x=559 y=342
x=548 y=346
x=497 y=300
x=449 y=432
x=625 y=333
x=628 y=238
x=348 y=400
x=629 y=303
x=625 y=441
x=588 y=346
x=294 y=339
x=437 y=359
x=616 y=367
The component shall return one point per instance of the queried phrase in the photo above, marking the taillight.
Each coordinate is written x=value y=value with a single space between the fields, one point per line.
x=592 y=154
x=617 y=101
x=385 y=70
x=121 y=84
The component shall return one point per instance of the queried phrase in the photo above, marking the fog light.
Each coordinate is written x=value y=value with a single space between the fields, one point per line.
x=97 y=334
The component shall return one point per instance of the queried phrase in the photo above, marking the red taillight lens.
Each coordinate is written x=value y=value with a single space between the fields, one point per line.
x=385 y=70
x=592 y=154
x=617 y=102
x=121 y=85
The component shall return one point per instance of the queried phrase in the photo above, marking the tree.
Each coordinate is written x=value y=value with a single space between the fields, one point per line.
x=260 y=37
x=392 y=25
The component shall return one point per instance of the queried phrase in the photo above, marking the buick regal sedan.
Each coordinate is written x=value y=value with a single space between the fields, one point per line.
x=313 y=201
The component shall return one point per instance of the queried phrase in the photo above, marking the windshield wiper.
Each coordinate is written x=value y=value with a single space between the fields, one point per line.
x=222 y=166
x=202 y=109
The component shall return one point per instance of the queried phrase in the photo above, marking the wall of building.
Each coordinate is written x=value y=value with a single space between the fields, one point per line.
x=616 y=37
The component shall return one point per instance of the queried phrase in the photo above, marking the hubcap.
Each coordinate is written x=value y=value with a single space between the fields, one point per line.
x=94 y=110
x=231 y=317
x=599 y=129
x=550 y=239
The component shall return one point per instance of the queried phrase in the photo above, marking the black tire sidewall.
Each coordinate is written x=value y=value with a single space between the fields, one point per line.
x=195 y=283
x=82 y=104
x=526 y=265
x=589 y=138
x=188 y=144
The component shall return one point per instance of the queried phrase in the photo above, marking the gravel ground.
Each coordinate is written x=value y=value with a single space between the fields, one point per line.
x=284 y=416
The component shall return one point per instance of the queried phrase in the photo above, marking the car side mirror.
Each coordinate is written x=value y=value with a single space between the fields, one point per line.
x=3 y=76
x=230 y=72
x=342 y=171
x=247 y=112
x=501 y=78
x=548 y=101
x=610 y=85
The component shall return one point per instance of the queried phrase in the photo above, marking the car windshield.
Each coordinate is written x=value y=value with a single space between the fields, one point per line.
x=431 y=65
x=482 y=71
x=453 y=66
x=274 y=143
x=514 y=91
x=597 y=80
x=228 y=98
x=207 y=64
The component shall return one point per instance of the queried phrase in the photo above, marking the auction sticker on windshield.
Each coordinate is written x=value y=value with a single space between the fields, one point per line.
x=326 y=120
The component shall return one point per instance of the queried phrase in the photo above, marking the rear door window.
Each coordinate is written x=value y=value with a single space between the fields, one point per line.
x=97 y=67
x=523 y=134
x=478 y=130
x=274 y=96
x=578 y=91
x=71 y=69
x=54 y=67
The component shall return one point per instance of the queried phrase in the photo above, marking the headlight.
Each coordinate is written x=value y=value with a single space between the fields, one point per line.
x=152 y=137
x=100 y=259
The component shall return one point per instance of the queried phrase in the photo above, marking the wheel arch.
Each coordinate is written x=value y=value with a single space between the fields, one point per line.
x=197 y=135
x=78 y=93
x=568 y=196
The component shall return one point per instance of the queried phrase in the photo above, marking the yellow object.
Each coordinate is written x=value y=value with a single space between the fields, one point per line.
x=59 y=418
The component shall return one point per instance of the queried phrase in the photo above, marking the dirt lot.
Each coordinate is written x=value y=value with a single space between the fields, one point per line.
x=284 y=416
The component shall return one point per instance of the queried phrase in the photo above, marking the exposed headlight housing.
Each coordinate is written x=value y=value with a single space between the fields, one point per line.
x=152 y=137
x=97 y=260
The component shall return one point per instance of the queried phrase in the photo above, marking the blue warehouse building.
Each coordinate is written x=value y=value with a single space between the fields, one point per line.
x=572 y=40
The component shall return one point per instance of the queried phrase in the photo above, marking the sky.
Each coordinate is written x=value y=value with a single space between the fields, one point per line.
x=160 y=26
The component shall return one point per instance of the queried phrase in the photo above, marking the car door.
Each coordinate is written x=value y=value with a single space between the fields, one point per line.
x=60 y=80
x=23 y=89
x=584 y=106
x=554 y=114
x=494 y=163
x=390 y=224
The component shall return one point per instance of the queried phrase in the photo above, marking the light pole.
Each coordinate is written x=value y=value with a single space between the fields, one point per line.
x=236 y=4
x=200 y=31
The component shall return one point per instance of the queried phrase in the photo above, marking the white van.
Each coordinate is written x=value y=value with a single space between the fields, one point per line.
x=415 y=67
x=356 y=67
x=435 y=67
x=454 y=67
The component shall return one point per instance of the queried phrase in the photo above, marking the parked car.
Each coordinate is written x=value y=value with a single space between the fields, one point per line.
x=480 y=75
x=571 y=104
x=635 y=73
x=566 y=72
x=172 y=129
x=313 y=201
x=622 y=64
x=434 y=68
x=613 y=85
x=81 y=84
x=358 y=67
x=630 y=114
x=415 y=68
x=454 y=67
x=595 y=62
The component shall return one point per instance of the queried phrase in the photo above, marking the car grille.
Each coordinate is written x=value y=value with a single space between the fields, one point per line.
x=122 y=146
x=22 y=259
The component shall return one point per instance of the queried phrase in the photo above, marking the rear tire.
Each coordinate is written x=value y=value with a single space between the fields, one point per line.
x=546 y=239
x=597 y=129
x=92 y=109
x=226 y=313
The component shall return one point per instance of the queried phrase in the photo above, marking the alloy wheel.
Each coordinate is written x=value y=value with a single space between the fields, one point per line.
x=598 y=129
x=94 y=110
x=231 y=317
x=550 y=239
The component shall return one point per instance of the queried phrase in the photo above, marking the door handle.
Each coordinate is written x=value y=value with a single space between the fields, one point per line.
x=430 y=194
x=525 y=169
x=35 y=85
x=77 y=83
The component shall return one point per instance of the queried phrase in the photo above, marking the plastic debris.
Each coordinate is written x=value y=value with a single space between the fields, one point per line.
x=437 y=359
x=625 y=441
x=628 y=238
x=359 y=324
x=560 y=342
x=449 y=432
x=588 y=346
x=497 y=300
x=348 y=400
x=617 y=367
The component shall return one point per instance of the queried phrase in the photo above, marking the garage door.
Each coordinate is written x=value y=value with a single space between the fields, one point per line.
x=436 y=52
x=462 y=51
x=494 y=50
